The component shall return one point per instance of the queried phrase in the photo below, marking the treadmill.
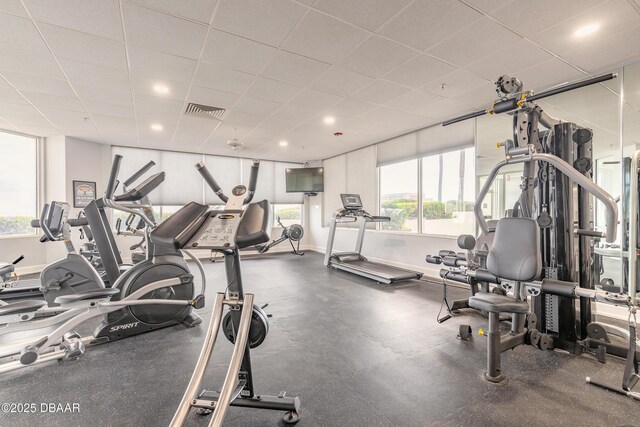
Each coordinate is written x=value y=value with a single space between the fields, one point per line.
x=354 y=262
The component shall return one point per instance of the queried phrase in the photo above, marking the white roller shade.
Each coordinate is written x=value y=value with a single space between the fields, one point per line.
x=440 y=139
x=226 y=171
x=362 y=177
x=280 y=188
x=183 y=183
x=397 y=149
x=266 y=179
x=335 y=183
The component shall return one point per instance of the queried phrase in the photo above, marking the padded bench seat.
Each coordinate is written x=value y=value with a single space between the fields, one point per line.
x=495 y=303
x=22 y=307
x=85 y=295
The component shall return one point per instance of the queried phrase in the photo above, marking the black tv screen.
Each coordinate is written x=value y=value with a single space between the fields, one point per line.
x=305 y=180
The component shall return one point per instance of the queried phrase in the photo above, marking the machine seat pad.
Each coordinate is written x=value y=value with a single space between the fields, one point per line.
x=495 y=303
x=6 y=268
x=85 y=295
x=255 y=227
x=22 y=307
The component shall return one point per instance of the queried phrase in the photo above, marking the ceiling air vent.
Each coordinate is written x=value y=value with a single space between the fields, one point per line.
x=206 y=111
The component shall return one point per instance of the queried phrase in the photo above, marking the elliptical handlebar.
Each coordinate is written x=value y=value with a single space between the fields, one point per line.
x=211 y=181
x=253 y=181
x=139 y=173
x=112 y=183
x=43 y=224
x=215 y=187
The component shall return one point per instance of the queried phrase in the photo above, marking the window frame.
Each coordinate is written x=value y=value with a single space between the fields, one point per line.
x=420 y=217
x=38 y=194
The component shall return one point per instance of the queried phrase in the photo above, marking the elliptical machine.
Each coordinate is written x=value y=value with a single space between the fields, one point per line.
x=227 y=232
x=153 y=294
x=293 y=233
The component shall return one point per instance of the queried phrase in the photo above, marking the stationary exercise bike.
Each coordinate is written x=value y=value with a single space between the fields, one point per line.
x=293 y=233
x=227 y=232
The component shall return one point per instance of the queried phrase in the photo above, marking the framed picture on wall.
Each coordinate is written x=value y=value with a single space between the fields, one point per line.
x=83 y=193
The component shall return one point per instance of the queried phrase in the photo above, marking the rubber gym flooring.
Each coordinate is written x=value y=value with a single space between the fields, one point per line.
x=357 y=353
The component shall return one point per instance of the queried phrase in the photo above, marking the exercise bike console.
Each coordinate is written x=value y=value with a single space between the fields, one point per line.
x=218 y=231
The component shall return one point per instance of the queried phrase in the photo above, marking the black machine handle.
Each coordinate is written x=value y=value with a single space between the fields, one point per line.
x=504 y=106
x=78 y=222
x=113 y=177
x=253 y=181
x=20 y=258
x=211 y=181
x=139 y=173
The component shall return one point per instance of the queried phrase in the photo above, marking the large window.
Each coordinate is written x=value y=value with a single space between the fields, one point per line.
x=288 y=214
x=446 y=191
x=399 y=196
x=18 y=184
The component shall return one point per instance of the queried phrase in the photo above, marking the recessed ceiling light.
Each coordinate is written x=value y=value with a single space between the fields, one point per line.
x=586 y=30
x=283 y=143
x=329 y=120
x=157 y=127
x=161 y=88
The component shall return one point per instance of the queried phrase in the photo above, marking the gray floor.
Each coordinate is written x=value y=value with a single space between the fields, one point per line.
x=357 y=354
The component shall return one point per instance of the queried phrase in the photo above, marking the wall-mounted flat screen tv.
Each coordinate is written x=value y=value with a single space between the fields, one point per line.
x=305 y=180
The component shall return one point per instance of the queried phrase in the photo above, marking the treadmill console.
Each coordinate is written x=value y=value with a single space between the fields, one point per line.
x=351 y=202
x=218 y=232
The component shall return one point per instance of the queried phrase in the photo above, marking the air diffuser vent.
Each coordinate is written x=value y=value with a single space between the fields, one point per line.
x=206 y=111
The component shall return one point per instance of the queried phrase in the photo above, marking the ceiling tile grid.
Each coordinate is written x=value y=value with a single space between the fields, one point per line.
x=122 y=71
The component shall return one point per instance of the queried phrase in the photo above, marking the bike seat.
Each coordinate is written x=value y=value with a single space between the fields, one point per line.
x=495 y=303
x=22 y=307
x=85 y=295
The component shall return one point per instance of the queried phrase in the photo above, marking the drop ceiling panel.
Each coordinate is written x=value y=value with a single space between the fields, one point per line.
x=465 y=46
x=144 y=85
x=606 y=51
x=546 y=74
x=90 y=94
x=13 y=7
x=501 y=62
x=159 y=110
x=22 y=61
x=370 y=14
x=546 y=12
x=294 y=68
x=419 y=71
x=213 y=77
x=445 y=109
x=480 y=97
x=454 y=83
x=67 y=119
x=351 y=107
x=340 y=81
x=612 y=17
x=9 y=95
x=324 y=38
x=377 y=56
x=414 y=101
x=238 y=53
x=315 y=100
x=197 y=10
x=95 y=75
x=248 y=104
x=165 y=33
x=487 y=5
x=264 y=21
x=44 y=100
x=158 y=64
x=99 y=17
x=380 y=91
x=82 y=47
x=94 y=107
x=212 y=97
x=32 y=83
x=20 y=33
x=427 y=22
x=24 y=112
x=247 y=119
x=273 y=90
